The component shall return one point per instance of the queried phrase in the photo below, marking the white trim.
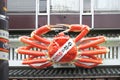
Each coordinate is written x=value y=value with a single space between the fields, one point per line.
x=48 y=12
x=81 y=11
x=36 y=14
x=92 y=13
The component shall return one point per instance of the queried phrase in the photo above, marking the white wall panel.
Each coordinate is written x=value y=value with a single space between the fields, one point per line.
x=107 y=5
x=63 y=5
x=21 y=5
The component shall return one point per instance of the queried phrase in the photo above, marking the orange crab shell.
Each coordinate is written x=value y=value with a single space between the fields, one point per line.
x=57 y=43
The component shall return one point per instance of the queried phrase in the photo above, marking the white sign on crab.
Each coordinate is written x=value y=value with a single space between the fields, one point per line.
x=63 y=50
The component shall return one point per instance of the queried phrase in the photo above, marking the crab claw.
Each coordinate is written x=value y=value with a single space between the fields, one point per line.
x=40 y=31
x=84 y=29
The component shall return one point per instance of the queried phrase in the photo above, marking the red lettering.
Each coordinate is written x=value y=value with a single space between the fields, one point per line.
x=57 y=56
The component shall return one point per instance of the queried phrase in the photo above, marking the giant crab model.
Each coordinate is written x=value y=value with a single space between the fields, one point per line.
x=82 y=52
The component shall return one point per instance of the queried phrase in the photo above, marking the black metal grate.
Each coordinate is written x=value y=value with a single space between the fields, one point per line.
x=98 y=72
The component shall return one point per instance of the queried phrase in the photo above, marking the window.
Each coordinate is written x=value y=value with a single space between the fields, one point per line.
x=108 y=6
x=21 y=5
x=65 y=6
x=43 y=6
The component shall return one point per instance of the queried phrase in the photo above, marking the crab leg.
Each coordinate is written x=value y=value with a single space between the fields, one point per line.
x=30 y=57
x=88 y=39
x=29 y=41
x=94 y=57
x=88 y=44
x=85 y=66
x=85 y=62
x=40 y=31
x=41 y=65
x=77 y=28
x=23 y=50
x=32 y=61
x=90 y=60
x=95 y=52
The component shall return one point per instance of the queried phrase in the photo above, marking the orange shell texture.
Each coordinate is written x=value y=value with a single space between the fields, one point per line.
x=56 y=44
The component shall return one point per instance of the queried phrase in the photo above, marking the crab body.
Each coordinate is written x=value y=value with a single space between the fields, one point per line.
x=62 y=48
x=57 y=43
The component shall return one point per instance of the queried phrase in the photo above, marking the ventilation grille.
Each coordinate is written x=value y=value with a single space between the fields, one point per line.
x=55 y=73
